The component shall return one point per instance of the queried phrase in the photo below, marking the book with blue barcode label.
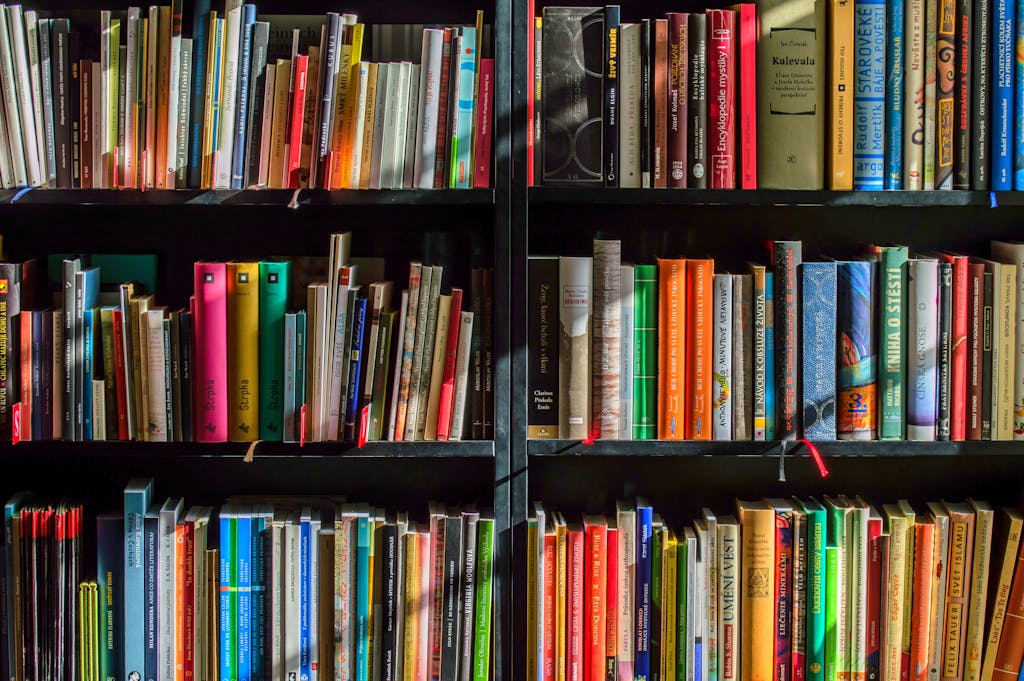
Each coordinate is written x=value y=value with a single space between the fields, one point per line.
x=243 y=549
x=894 y=94
x=869 y=134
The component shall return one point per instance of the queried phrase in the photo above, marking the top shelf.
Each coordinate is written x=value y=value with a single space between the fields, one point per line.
x=768 y=197
x=247 y=197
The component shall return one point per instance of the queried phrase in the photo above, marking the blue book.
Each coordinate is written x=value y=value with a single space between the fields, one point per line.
x=227 y=587
x=305 y=592
x=894 y=94
x=87 y=291
x=243 y=547
x=818 y=281
x=352 y=421
x=200 y=40
x=242 y=107
x=151 y=626
x=110 y=582
x=260 y=521
x=769 y=360
x=869 y=96
x=856 y=373
x=642 y=654
x=136 y=502
x=462 y=145
x=1017 y=110
x=362 y=597
x=1003 y=174
x=88 y=320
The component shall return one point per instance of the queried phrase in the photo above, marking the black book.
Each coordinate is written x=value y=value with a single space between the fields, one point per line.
x=538 y=104
x=572 y=95
x=453 y=106
x=258 y=80
x=267 y=626
x=470 y=521
x=46 y=376
x=980 y=101
x=646 y=74
x=542 y=347
x=174 y=434
x=390 y=645
x=185 y=371
x=451 y=598
x=74 y=109
x=962 y=124
x=611 y=110
x=986 y=358
x=59 y=29
x=151 y=550
x=945 y=348
x=786 y=258
x=71 y=267
x=697 y=104
x=10 y=306
x=475 y=401
x=487 y=341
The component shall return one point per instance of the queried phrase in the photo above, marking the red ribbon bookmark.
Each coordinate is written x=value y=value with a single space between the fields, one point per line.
x=819 y=460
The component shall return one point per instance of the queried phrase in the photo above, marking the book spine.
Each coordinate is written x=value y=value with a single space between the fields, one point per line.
x=742 y=356
x=1017 y=125
x=151 y=623
x=197 y=122
x=10 y=307
x=296 y=110
x=760 y=359
x=612 y=110
x=576 y=617
x=770 y=411
x=645 y=109
x=462 y=142
x=697 y=391
x=627 y=354
x=243 y=293
x=782 y=668
x=943 y=361
x=961 y=530
x=662 y=73
x=645 y=363
x=930 y=77
x=975 y=307
x=816 y=594
x=894 y=41
x=974 y=634
x=574 y=359
x=913 y=96
x=958 y=383
x=787 y=259
x=922 y=322
x=1003 y=174
x=483 y=130
x=596 y=594
x=629 y=68
x=987 y=347
x=747 y=93
x=722 y=341
x=605 y=406
x=962 y=126
x=721 y=76
x=981 y=54
x=356 y=371
x=845 y=89
x=243 y=107
x=211 y=381
x=697 y=104
x=893 y=353
x=642 y=652
x=672 y=104
x=945 y=50
x=757 y=605
x=818 y=348
x=857 y=400
x=273 y=299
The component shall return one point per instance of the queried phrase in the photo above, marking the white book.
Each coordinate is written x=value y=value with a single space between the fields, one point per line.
x=461 y=375
x=6 y=167
x=607 y=337
x=98 y=176
x=429 y=101
x=401 y=123
x=940 y=564
x=397 y=341
x=626 y=575
x=423 y=655
x=131 y=97
x=922 y=347
x=157 y=386
x=35 y=83
x=913 y=88
x=380 y=114
x=173 y=95
x=338 y=354
x=691 y=600
x=626 y=323
x=99 y=410
x=629 y=105
x=291 y=587
x=267 y=124
x=359 y=124
x=409 y=155
x=184 y=101
x=314 y=591
x=151 y=89
x=275 y=570
x=729 y=571
x=165 y=581
x=8 y=85
x=23 y=90
x=229 y=85
x=101 y=106
x=709 y=552
x=390 y=132
x=721 y=385
x=1013 y=253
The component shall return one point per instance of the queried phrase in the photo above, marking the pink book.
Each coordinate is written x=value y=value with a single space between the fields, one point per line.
x=298 y=108
x=484 y=109
x=721 y=74
x=747 y=19
x=211 y=334
x=444 y=410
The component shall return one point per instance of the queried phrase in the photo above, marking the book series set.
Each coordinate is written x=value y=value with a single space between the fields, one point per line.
x=891 y=345
x=237 y=365
x=261 y=589
x=114 y=99
x=781 y=589
x=779 y=94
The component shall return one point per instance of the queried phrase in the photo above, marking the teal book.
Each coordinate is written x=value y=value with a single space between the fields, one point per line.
x=362 y=598
x=482 y=618
x=892 y=342
x=645 y=352
x=273 y=290
x=817 y=529
x=137 y=495
x=110 y=582
x=462 y=143
x=832 y=560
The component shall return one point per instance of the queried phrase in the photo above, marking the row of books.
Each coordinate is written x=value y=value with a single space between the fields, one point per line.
x=264 y=588
x=781 y=589
x=114 y=99
x=359 y=363
x=884 y=346
x=779 y=94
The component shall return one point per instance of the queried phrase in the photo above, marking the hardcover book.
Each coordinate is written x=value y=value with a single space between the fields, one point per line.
x=857 y=400
x=697 y=104
x=211 y=381
x=844 y=81
x=787 y=257
x=607 y=333
x=722 y=48
x=818 y=352
x=645 y=363
x=544 y=295
x=574 y=348
x=894 y=59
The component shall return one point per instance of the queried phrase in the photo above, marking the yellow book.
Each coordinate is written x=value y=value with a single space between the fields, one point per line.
x=163 y=85
x=841 y=67
x=1011 y=522
x=892 y=646
x=412 y=605
x=984 y=519
x=908 y=577
x=211 y=79
x=670 y=588
x=1004 y=333
x=958 y=589
x=757 y=603
x=444 y=307
x=279 y=129
x=366 y=158
x=348 y=126
x=561 y=583
x=243 y=351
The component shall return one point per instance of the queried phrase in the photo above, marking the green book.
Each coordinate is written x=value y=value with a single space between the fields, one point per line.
x=682 y=639
x=645 y=352
x=892 y=346
x=837 y=663
x=817 y=529
x=232 y=625
x=379 y=396
x=109 y=374
x=482 y=620
x=832 y=664
x=273 y=292
x=659 y=537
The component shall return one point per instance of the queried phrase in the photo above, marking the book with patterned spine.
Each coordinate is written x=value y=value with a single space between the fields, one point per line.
x=575 y=346
x=856 y=387
x=945 y=50
x=722 y=377
x=818 y=311
x=607 y=334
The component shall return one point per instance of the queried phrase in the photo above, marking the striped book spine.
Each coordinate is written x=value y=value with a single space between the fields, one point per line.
x=645 y=346
x=869 y=98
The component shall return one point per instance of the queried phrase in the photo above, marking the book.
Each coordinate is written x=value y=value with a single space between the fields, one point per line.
x=844 y=82
x=574 y=355
x=211 y=380
x=607 y=335
x=787 y=259
x=756 y=589
x=857 y=397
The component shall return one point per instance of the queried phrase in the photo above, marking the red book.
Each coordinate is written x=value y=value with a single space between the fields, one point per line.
x=548 y=645
x=958 y=353
x=747 y=109
x=119 y=377
x=298 y=109
x=597 y=584
x=531 y=61
x=25 y=340
x=442 y=112
x=874 y=609
x=189 y=613
x=484 y=115
x=675 y=80
x=211 y=358
x=611 y=643
x=444 y=410
x=576 y=581
x=975 y=346
x=721 y=74
x=699 y=291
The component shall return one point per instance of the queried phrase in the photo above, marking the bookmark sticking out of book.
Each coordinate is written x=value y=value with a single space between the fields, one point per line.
x=993 y=202
x=250 y=453
x=364 y=426
x=819 y=460
x=294 y=203
x=302 y=425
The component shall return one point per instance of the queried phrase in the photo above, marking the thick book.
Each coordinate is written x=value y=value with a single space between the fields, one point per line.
x=574 y=396
x=607 y=336
x=211 y=376
x=856 y=375
x=818 y=282
x=627 y=353
x=611 y=112
x=273 y=300
x=697 y=390
x=757 y=603
x=1013 y=253
x=975 y=345
x=722 y=89
x=944 y=351
x=697 y=103
x=958 y=346
x=629 y=71
x=746 y=94
x=1008 y=531
x=243 y=351
x=790 y=114
x=670 y=85
x=786 y=257
x=137 y=495
x=672 y=324
x=110 y=566
x=642 y=603
x=892 y=358
x=922 y=326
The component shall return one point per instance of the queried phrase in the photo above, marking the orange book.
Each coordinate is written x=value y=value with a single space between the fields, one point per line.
x=757 y=602
x=548 y=646
x=596 y=529
x=1011 y=645
x=958 y=589
x=179 y=602
x=697 y=394
x=921 y=617
x=671 y=342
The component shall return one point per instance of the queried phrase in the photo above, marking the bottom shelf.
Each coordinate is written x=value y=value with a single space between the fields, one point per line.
x=683 y=448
